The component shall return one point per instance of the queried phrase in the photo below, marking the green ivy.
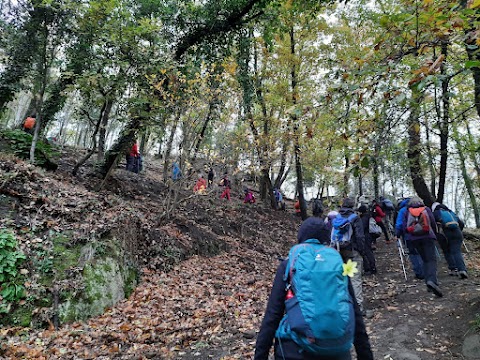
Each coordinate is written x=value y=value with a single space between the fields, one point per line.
x=11 y=259
x=20 y=143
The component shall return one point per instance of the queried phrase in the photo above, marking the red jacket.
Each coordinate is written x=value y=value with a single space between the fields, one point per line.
x=29 y=123
x=134 y=151
x=379 y=214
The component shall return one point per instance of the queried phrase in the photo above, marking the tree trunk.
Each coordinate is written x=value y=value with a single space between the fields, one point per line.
x=444 y=128
x=126 y=139
x=94 y=138
x=203 y=130
x=144 y=141
x=375 y=169
x=105 y=114
x=473 y=154
x=473 y=53
x=168 y=147
x=296 y=130
x=431 y=160
x=414 y=149
x=467 y=180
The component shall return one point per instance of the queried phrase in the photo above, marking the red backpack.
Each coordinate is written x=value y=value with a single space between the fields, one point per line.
x=418 y=222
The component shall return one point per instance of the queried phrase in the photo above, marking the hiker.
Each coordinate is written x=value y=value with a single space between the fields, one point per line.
x=176 y=172
x=354 y=248
x=132 y=159
x=210 y=177
x=249 y=197
x=298 y=211
x=310 y=235
x=369 y=264
x=200 y=186
x=328 y=220
x=419 y=227
x=29 y=124
x=387 y=207
x=279 y=203
x=450 y=238
x=317 y=208
x=378 y=215
x=225 y=182
x=413 y=255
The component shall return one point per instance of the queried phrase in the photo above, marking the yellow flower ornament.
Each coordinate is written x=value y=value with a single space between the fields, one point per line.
x=350 y=268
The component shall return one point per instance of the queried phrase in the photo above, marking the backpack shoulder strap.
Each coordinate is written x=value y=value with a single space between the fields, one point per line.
x=352 y=217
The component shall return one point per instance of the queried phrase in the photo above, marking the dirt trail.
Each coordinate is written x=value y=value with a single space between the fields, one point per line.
x=211 y=308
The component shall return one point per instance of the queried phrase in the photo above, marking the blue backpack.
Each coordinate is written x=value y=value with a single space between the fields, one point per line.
x=319 y=317
x=388 y=205
x=449 y=219
x=342 y=231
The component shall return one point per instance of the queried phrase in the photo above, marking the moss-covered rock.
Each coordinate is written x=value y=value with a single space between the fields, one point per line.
x=106 y=279
x=106 y=282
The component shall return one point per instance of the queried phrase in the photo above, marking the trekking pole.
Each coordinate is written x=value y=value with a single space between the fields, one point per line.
x=438 y=252
x=468 y=251
x=400 y=251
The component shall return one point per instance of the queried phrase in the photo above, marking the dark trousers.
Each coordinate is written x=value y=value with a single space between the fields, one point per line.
x=426 y=249
x=384 y=230
x=452 y=250
x=415 y=259
x=369 y=263
x=133 y=164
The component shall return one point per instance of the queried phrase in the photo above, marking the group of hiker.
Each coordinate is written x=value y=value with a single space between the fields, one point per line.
x=322 y=276
x=225 y=184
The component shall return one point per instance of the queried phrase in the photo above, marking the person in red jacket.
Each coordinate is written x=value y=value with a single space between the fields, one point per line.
x=200 y=186
x=133 y=159
x=378 y=215
x=29 y=124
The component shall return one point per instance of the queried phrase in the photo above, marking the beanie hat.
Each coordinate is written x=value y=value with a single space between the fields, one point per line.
x=313 y=228
x=348 y=203
x=362 y=209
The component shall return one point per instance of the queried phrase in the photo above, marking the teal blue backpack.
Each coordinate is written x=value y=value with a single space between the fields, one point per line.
x=449 y=219
x=320 y=316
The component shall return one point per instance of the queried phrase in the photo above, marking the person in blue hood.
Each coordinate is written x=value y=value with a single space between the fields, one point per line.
x=413 y=255
x=420 y=228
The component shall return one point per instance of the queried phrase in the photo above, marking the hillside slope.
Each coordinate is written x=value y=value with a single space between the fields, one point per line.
x=210 y=305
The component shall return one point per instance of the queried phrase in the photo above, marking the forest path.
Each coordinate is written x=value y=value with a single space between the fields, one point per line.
x=211 y=308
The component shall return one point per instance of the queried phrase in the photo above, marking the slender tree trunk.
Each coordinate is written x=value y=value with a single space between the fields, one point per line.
x=296 y=130
x=125 y=140
x=283 y=156
x=100 y=120
x=102 y=132
x=414 y=149
x=431 y=161
x=144 y=141
x=168 y=147
x=444 y=128
x=473 y=154
x=376 y=150
x=207 y=120
x=467 y=180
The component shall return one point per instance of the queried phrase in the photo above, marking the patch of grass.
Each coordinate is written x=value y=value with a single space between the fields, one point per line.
x=476 y=323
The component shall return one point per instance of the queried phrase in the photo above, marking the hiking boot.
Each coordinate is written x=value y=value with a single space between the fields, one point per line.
x=434 y=288
x=463 y=274
x=453 y=272
x=419 y=277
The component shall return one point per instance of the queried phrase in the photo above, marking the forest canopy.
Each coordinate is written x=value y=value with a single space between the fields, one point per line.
x=340 y=98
